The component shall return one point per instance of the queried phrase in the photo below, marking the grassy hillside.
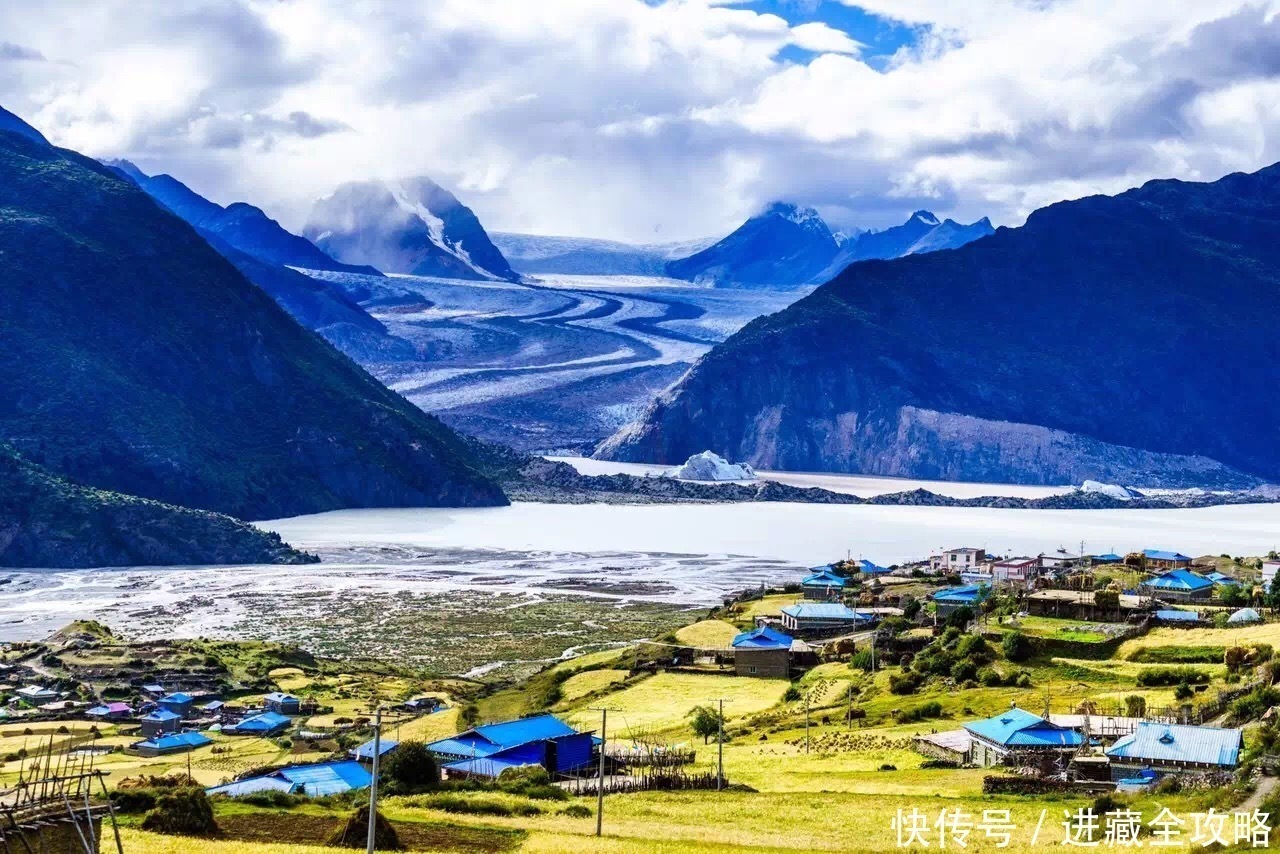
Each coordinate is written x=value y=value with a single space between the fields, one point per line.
x=47 y=522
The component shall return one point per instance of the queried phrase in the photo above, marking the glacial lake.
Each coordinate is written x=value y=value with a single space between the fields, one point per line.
x=392 y=580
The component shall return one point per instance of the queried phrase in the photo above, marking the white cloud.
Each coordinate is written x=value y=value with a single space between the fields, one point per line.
x=636 y=120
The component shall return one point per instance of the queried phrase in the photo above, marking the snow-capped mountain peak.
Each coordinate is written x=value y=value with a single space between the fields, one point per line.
x=411 y=226
x=926 y=218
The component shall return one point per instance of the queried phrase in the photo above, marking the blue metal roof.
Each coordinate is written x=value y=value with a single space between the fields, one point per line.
x=823 y=611
x=763 y=638
x=175 y=741
x=265 y=722
x=281 y=697
x=328 y=778
x=490 y=738
x=965 y=593
x=176 y=697
x=1178 y=579
x=1110 y=557
x=250 y=785
x=325 y=778
x=1174 y=616
x=1020 y=728
x=1204 y=745
x=161 y=716
x=823 y=578
x=870 y=568
x=365 y=751
x=1156 y=554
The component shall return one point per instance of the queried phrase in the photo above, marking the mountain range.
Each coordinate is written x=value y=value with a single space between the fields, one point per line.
x=790 y=246
x=135 y=359
x=410 y=226
x=1124 y=339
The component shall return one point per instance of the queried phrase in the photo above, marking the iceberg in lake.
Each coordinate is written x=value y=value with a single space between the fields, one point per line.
x=710 y=466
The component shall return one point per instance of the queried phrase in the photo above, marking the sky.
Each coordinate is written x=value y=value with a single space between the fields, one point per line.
x=656 y=120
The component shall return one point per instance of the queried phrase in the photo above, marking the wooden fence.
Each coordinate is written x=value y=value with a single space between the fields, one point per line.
x=642 y=783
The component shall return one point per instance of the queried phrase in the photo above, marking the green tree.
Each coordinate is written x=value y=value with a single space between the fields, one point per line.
x=706 y=722
x=1016 y=646
x=409 y=768
x=1135 y=705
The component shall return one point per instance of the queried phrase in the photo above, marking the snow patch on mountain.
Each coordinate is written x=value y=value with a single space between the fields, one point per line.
x=1111 y=490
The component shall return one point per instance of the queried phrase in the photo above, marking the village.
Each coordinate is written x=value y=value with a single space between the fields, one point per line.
x=1070 y=676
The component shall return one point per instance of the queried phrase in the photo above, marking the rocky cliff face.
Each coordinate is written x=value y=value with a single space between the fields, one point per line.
x=135 y=358
x=1122 y=339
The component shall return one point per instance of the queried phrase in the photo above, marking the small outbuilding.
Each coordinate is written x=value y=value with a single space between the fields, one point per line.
x=1244 y=617
x=486 y=751
x=110 y=711
x=764 y=652
x=1016 y=736
x=178 y=742
x=265 y=724
x=177 y=702
x=1157 y=559
x=823 y=585
x=364 y=752
x=282 y=704
x=952 y=599
x=159 y=722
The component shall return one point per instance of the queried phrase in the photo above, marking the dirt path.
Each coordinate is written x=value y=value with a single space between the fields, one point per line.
x=1265 y=787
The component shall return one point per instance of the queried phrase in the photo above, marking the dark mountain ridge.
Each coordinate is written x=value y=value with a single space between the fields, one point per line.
x=1123 y=339
x=135 y=358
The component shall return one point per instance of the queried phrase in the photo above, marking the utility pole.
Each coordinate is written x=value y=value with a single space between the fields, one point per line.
x=849 y=713
x=720 y=748
x=604 y=723
x=373 y=785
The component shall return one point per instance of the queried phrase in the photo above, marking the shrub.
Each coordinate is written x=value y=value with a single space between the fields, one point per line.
x=273 y=798
x=128 y=801
x=1016 y=646
x=907 y=683
x=468 y=716
x=1150 y=677
x=975 y=648
x=791 y=694
x=861 y=661
x=1179 y=654
x=932 y=709
x=457 y=804
x=887 y=767
x=532 y=782
x=963 y=671
x=577 y=811
x=186 y=812
x=1135 y=706
x=1183 y=692
x=1023 y=680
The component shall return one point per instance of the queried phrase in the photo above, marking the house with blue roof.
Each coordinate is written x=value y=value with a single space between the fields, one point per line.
x=488 y=750
x=159 y=721
x=178 y=742
x=265 y=724
x=110 y=711
x=314 y=781
x=1220 y=578
x=952 y=599
x=282 y=704
x=819 y=618
x=1158 y=559
x=1179 y=585
x=872 y=570
x=1017 y=736
x=763 y=652
x=177 y=702
x=1164 y=749
x=824 y=585
x=1109 y=557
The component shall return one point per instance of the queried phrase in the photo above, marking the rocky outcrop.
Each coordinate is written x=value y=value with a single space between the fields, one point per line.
x=1124 y=339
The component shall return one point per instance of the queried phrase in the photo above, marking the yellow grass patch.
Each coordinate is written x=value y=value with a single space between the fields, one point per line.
x=662 y=703
x=581 y=684
x=1264 y=633
x=710 y=634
